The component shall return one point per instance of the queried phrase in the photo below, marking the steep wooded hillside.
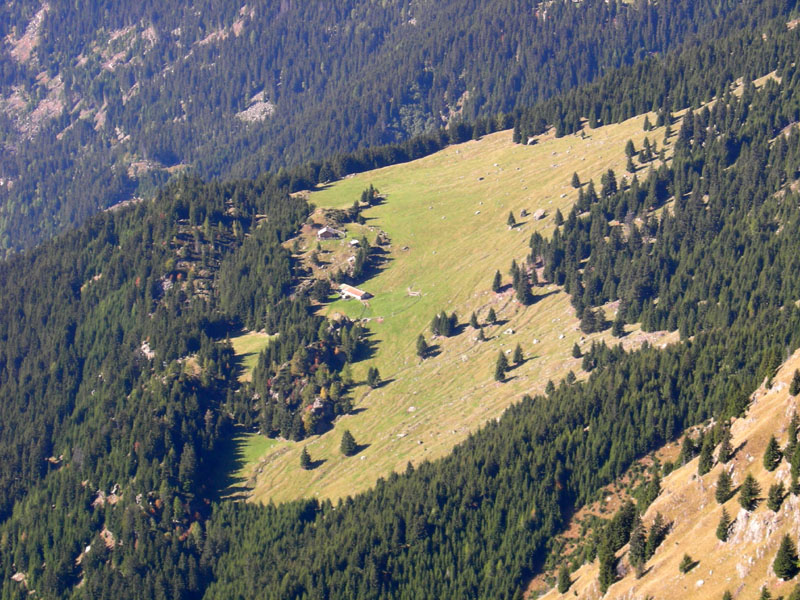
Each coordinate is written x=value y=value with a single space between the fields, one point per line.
x=104 y=103
x=121 y=390
x=742 y=563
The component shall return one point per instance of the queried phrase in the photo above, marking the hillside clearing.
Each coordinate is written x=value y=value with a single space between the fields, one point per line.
x=247 y=347
x=445 y=216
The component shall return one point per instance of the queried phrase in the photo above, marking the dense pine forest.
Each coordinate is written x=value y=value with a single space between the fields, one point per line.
x=119 y=381
x=105 y=103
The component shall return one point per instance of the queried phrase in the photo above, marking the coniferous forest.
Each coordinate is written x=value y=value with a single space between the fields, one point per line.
x=118 y=378
x=98 y=112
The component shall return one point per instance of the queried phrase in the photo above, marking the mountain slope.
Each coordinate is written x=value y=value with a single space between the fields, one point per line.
x=102 y=105
x=445 y=216
x=743 y=564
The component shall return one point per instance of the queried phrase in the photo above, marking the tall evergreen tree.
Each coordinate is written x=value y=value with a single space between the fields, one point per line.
x=785 y=563
x=491 y=318
x=792 y=429
x=497 y=281
x=748 y=495
x=772 y=454
x=501 y=366
x=608 y=565
x=775 y=496
x=794 y=387
x=473 y=321
x=706 y=456
x=724 y=487
x=305 y=459
x=422 y=346
x=724 y=525
x=511 y=221
x=687 y=450
x=725 y=449
x=658 y=531
x=373 y=377
x=637 y=553
x=518 y=356
x=576 y=181
x=564 y=581
x=348 y=446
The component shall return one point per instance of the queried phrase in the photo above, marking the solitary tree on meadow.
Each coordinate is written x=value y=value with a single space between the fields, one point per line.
x=500 y=367
x=348 y=446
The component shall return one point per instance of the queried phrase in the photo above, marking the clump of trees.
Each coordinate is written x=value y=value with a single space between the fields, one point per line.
x=444 y=324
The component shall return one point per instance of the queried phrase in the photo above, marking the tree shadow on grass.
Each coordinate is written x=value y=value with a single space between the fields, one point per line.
x=225 y=463
x=315 y=464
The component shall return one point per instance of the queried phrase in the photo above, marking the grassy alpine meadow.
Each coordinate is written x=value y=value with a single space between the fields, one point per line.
x=247 y=346
x=446 y=219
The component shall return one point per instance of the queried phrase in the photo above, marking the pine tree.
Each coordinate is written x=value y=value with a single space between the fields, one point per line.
x=647 y=125
x=618 y=328
x=491 y=317
x=348 y=446
x=608 y=565
x=373 y=377
x=775 y=496
x=564 y=581
x=748 y=496
x=772 y=455
x=576 y=181
x=658 y=531
x=500 y=367
x=727 y=595
x=497 y=281
x=637 y=554
x=765 y=593
x=481 y=336
x=791 y=445
x=422 y=346
x=559 y=218
x=653 y=489
x=576 y=351
x=630 y=149
x=795 y=471
x=305 y=459
x=473 y=321
x=706 y=457
x=522 y=290
x=785 y=564
x=687 y=450
x=794 y=387
x=725 y=449
x=511 y=221
x=518 y=356
x=724 y=526
x=724 y=486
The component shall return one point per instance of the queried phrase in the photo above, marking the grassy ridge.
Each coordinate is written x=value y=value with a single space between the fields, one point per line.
x=446 y=218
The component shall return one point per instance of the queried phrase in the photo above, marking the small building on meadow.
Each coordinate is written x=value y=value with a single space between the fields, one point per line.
x=354 y=243
x=329 y=233
x=348 y=291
